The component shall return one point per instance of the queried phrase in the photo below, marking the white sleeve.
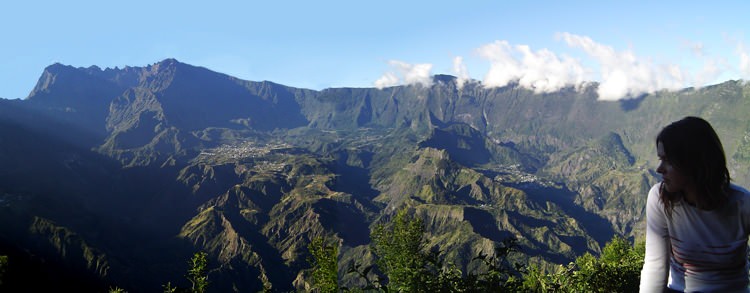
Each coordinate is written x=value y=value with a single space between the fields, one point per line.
x=656 y=263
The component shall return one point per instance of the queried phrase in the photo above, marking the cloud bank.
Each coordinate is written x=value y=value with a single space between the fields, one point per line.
x=405 y=73
x=623 y=74
x=542 y=70
x=620 y=73
x=461 y=72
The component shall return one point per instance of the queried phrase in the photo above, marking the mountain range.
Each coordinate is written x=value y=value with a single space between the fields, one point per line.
x=116 y=176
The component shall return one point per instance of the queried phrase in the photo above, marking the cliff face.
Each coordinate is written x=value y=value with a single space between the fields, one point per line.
x=115 y=169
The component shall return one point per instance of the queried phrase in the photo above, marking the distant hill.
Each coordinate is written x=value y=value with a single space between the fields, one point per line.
x=119 y=175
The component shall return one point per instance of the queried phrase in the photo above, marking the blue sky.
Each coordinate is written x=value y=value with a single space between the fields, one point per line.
x=630 y=47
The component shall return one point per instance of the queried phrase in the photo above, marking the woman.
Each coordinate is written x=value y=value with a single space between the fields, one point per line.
x=697 y=222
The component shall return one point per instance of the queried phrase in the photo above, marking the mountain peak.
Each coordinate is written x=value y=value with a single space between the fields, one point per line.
x=170 y=66
x=444 y=78
x=49 y=76
x=169 y=62
x=165 y=65
x=57 y=68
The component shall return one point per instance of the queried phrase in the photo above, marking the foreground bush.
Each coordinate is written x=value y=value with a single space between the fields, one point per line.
x=407 y=267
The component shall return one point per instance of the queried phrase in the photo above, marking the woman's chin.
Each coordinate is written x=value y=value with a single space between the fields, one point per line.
x=671 y=188
x=667 y=186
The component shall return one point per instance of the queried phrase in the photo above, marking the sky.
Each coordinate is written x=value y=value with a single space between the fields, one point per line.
x=628 y=47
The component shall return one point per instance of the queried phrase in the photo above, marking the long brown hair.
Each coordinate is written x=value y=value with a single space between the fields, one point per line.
x=692 y=146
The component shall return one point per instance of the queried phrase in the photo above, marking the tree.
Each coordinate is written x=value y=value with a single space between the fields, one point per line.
x=197 y=273
x=400 y=253
x=399 y=247
x=168 y=288
x=324 y=261
x=616 y=270
x=500 y=274
x=3 y=267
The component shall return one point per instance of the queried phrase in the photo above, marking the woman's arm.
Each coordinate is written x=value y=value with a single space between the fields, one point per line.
x=656 y=263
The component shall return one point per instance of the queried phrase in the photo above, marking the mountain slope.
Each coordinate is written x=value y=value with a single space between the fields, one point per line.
x=178 y=158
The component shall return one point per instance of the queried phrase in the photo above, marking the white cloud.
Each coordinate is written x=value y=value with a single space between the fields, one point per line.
x=504 y=68
x=416 y=73
x=462 y=73
x=744 y=65
x=545 y=72
x=406 y=73
x=542 y=71
x=622 y=74
x=387 y=80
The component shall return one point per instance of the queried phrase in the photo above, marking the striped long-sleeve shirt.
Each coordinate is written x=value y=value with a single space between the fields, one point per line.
x=697 y=250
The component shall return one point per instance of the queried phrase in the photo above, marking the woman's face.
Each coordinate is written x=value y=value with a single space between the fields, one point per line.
x=672 y=179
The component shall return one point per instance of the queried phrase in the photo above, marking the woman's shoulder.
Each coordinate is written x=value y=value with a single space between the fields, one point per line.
x=654 y=189
x=653 y=198
x=739 y=194
x=738 y=191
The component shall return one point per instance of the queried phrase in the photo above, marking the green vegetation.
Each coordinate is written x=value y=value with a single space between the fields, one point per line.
x=168 y=288
x=3 y=267
x=400 y=252
x=616 y=270
x=399 y=247
x=408 y=267
x=324 y=261
x=197 y=273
